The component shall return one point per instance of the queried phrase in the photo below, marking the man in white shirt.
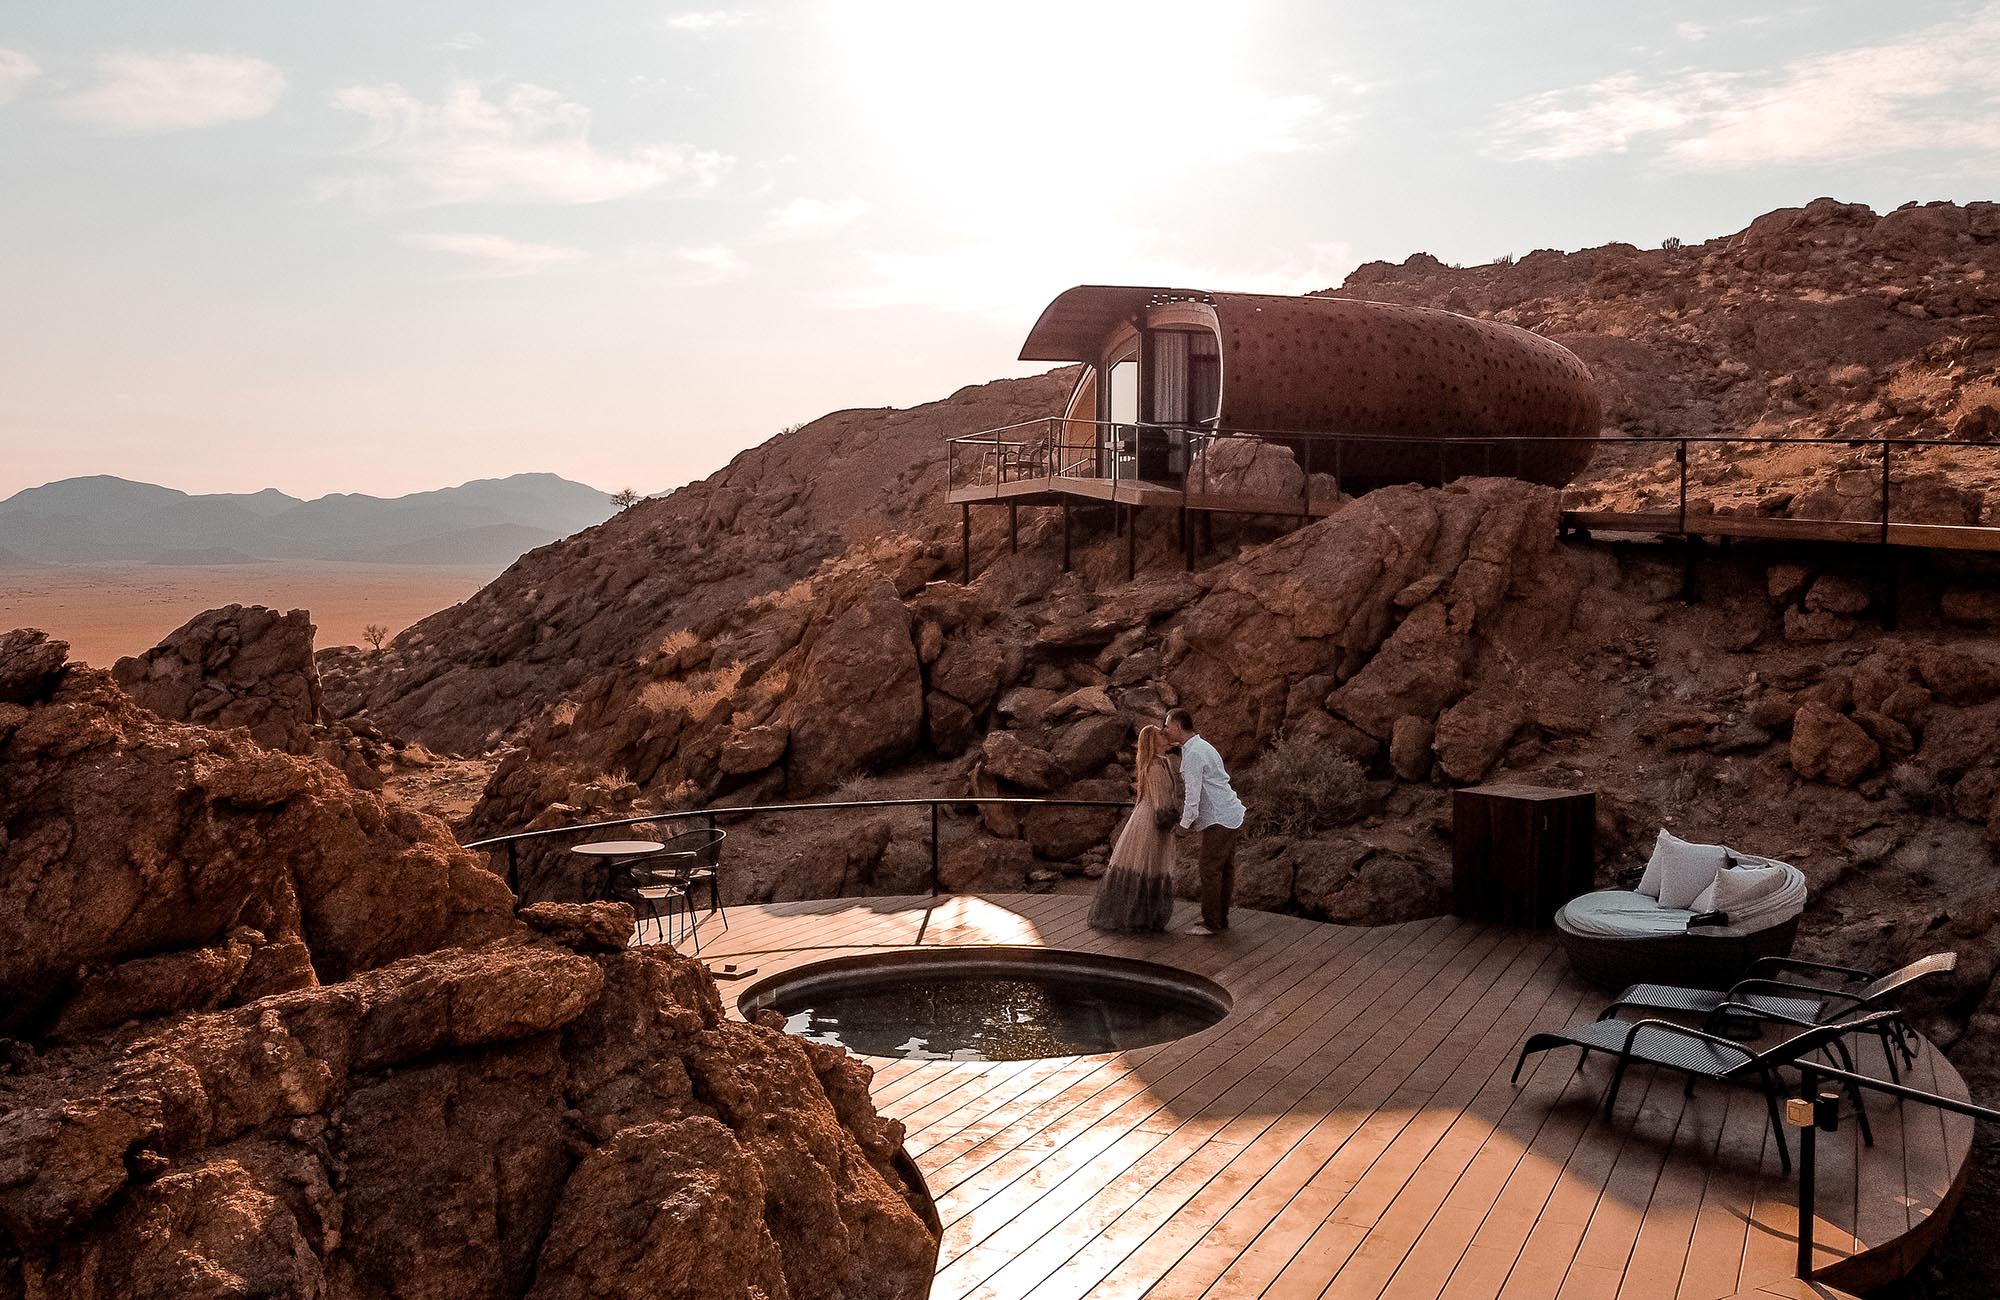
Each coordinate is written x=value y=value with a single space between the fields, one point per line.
x=1211 y=808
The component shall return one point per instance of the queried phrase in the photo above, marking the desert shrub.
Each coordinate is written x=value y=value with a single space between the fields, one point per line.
x=700 y=695
x=1505 y=259
x=1920 y=788
x=1302 y=787
x=1678 y=299
x=1672 y=243
x=627 y=497
x=854 y=789
x=675 y=642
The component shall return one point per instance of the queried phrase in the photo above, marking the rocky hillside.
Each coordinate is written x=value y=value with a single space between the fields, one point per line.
x=270 y=1034
x=471 y=675
x=1821 y=323
x=1825 y=322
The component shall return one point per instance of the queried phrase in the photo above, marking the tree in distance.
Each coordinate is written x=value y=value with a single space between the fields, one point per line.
x=376 y=635
x=626 y=498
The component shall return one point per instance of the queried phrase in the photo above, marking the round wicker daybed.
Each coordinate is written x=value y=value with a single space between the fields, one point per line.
x=1618 y=937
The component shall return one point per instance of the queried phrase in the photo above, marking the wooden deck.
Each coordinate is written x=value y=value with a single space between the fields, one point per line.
x=1049 y=491
x=1052 y=490
x=1937 y=537
x=1349 y=1131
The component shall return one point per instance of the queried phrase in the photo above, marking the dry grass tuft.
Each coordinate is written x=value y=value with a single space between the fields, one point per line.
x=1303 y=787
x=700 y=695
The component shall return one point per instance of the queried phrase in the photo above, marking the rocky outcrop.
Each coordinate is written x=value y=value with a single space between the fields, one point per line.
x=223 y=865
x=273 y=1035
x=1389 y=601
x=859 y=698
x=238 y=666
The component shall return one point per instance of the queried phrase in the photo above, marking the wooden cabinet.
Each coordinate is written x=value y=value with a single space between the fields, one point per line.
x=1519 y=852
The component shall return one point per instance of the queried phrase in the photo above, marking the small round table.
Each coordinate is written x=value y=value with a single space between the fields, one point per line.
x=615 y=854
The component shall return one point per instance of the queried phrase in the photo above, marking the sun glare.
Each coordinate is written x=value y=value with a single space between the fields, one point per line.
x=1044 y=143
x=1015 y=94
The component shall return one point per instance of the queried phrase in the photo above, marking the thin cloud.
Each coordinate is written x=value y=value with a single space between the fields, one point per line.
x=1936 y=89
x=16 y=71
x=709 y=264
x=497 y=254
x=1010 y=279
x=706 y=22
x=1606 y=116
x=802 y=218
x=459 y=42
x=175 y=92
x=528 y=146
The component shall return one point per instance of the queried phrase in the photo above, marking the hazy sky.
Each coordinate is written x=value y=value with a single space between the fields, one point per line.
x=385 y=246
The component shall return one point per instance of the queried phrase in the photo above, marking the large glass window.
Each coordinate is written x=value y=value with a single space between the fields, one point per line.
x=1122 y=412
x=1125 y=392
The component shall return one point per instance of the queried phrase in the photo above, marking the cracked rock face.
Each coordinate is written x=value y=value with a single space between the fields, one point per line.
x=275 y=1036
x=238 y=666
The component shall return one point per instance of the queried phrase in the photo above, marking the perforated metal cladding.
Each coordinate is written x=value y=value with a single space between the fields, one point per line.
x=1335 y=366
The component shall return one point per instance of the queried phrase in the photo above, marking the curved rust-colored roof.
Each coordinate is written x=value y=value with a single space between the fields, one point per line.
x=1335 y=365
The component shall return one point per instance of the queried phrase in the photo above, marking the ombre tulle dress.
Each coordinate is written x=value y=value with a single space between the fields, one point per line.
x=1137 y=892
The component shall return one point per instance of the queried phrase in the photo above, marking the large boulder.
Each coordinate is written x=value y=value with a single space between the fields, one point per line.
x=1472 y=734
x=1247 y=467
x=858 y=699
x=238 y=666
x=484 y=1105
x=30 y=665
x=1014 y=760
x=1391 y=598
x=1829 y=746
x=129 y=839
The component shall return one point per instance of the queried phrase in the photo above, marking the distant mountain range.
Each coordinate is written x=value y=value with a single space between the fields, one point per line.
x=105 y=520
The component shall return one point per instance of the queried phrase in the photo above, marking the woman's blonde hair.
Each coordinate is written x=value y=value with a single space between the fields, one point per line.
x=1152 y=744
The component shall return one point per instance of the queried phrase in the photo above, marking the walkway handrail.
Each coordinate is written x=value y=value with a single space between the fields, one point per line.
x=1679 y=519
x=1818 y=1109
x=985 y=436
x=512 y=839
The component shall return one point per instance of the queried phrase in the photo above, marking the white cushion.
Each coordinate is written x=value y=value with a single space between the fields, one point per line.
x=1736 y=889
x=1678 y=871
x=1622 y=914
x=1625 y=914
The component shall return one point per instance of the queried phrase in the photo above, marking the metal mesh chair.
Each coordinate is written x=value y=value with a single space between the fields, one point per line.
x=1699 y=1054
x=1761 y=998
x=702 y=860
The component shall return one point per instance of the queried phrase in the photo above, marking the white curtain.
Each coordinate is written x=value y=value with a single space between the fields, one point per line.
x=1170 y=377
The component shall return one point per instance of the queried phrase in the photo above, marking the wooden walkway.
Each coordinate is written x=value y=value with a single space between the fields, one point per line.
x=1669 y=523
x=1049 y=491
x=1348 y=1131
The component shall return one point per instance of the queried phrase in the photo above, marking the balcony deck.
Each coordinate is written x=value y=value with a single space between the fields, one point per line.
x=1349 y=1130
x=1051 y=490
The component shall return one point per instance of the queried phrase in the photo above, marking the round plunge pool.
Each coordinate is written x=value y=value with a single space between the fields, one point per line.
x=988 y=1004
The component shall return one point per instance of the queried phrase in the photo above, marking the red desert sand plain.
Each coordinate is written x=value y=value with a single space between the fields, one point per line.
x=109 y=611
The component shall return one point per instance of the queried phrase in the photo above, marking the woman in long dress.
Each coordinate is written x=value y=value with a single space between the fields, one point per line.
x=1137 y=892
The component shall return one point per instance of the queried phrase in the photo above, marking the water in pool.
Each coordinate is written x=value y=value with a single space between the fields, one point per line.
x=991 y=1017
